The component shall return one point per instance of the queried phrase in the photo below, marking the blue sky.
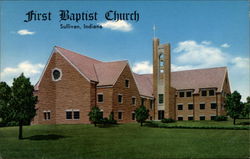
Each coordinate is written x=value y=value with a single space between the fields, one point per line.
x=202 y=34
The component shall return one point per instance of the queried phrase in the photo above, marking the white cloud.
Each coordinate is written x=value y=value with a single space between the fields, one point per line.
x=142 y=67
x=206 y=42
x=30 y=70
x=25 y=32
x=225 y=45
x=120 y=25
x=199 y=55
x=241 y=63
x=181 y=68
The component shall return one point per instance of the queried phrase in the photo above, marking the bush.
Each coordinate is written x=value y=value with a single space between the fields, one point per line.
x=221 y=118
x=168 y=120
x=106 y=121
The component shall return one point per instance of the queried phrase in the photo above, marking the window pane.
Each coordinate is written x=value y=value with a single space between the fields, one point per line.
x=190 y=118
x=180 y=107
x=48 y=115
x=204 y=93
x=133 y=116
x=160 y=114
x=120 y=98
x=119 y=115
x=68 y=115
x=190 y=106
x=100 y=97
x=213 y=105
x=213 y=117
x=189 y=94
x=180 y=118
x=126 y=83
x=76 y=115
x=202 y=106
x=161 y=98
x=133 y=100
x=142 y=101
x=45 y=115
x=181 y=94
x=202 y=117
x=211 y=92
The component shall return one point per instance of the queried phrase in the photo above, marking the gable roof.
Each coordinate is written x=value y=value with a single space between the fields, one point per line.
x=107 y=73
x=189 y=79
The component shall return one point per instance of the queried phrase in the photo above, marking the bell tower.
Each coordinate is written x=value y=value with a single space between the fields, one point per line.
x=162 y=80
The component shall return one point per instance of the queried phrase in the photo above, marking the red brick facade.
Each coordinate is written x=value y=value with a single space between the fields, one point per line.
x=69 y=99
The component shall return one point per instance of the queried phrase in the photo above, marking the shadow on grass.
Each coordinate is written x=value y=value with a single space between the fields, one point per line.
x=244 y=123
x=45 y=137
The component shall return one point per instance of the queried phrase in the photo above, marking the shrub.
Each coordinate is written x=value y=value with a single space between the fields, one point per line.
x=168 y=120
x=221 y=118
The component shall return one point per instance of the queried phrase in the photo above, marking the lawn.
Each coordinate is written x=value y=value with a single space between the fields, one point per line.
x=122 y=141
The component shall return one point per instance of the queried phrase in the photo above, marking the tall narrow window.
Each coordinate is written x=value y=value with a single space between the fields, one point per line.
x=68 y=114
x=133 y=115
x=161 y=114
x=100 y=98
x=127 y=83
x=120 y=115
x=120 y=98
x=161 y=100
x=134 y=101
x=46 y=115
x=76 y=114
x=143 y=101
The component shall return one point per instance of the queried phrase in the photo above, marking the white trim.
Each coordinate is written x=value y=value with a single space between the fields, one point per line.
x=45 y=68
x=135 y=100
x=73 y=65
x=180 y=116
x=54 y=69
x=146 y=97
x=190 y=115
x=45 y=111
x=118 y=99
x=212 y=114
x=98 y=98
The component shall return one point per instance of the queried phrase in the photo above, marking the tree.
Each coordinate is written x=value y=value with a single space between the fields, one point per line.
x=95 y=115
x=5 y=96
x=22 y=103
x=246 y=110
x=141 y=114
x=233 y=105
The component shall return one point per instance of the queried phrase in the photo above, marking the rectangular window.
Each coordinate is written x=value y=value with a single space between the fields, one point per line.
x=133 y=116
x=69 y=115
x=133 y=100
x=76 y=114
x=213 y=105
x=120 y=98
x=161 y=100
x=180 y=118
x=213 y=117
x=189 y=94
x=190 y=118
x=151 y=104
x=161 y=114
x=120 y=115
x=142 y=101
x=46 y=115
x=211 y=92
x=100 y=98
x=180 y=107
x=127 y=83
x=203 y=93
x=202 y=118
x=190 y=106
x=202 y=106
x=181 y=94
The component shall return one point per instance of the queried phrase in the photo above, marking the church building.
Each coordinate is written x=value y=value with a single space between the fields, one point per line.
x=71 y=84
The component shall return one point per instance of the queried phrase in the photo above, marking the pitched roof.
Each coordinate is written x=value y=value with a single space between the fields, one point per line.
x=83 y=63
x=144 y=84
x=189 y=79
x=108 y=72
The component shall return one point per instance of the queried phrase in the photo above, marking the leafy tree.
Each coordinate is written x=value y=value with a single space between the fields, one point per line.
x=246 y=110
x=23 y=101
x=141 y=114
x=233 y=105
x=5 y=96
x=95 y=115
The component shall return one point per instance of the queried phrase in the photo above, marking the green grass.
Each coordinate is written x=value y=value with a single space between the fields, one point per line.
x=121 y=142
x=208 y=123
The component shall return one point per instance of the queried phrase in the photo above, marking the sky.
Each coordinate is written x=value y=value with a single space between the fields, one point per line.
x=202 y=35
